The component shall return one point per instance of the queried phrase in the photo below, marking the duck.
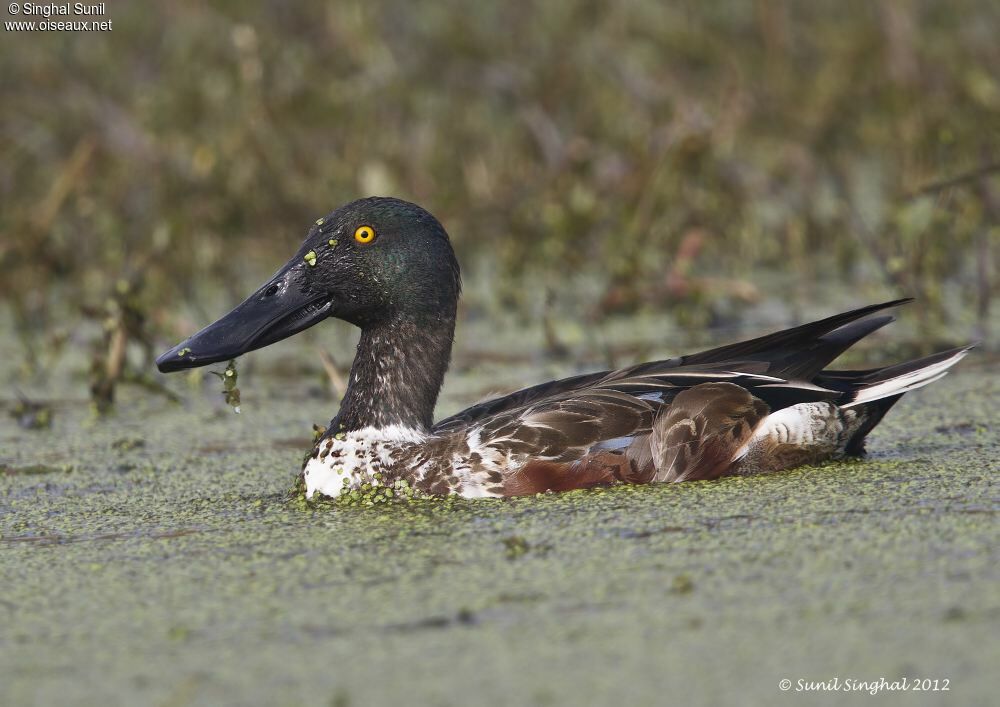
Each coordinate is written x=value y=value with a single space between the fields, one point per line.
x=387 y=266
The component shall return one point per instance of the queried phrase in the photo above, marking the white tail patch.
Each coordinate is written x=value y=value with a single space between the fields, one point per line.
x=801 y=425
x=907 y=381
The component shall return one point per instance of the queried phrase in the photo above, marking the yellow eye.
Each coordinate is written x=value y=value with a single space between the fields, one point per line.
x=364 y=234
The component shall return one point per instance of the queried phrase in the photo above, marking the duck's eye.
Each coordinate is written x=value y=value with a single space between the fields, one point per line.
x=364 y=234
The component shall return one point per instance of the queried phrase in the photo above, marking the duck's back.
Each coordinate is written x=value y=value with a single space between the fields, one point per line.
x=758 y=405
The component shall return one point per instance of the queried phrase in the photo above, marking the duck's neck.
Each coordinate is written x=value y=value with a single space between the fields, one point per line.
x=397 y=374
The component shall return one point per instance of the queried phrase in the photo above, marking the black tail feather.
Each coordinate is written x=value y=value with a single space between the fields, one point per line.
x=802 y=349
x=873 y=412
x=805 y=365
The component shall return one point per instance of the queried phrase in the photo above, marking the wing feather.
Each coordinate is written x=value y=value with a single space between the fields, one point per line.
x=699 y=435
x=679 y=417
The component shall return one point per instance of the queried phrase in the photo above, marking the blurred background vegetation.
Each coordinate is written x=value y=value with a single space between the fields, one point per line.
x=687 y=157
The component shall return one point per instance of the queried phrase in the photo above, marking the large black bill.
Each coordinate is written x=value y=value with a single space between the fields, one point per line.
x=279 y=309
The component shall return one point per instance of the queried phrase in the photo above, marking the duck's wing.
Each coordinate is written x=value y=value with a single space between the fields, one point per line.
x=601 y=434
x=609 y=414
x=797 y=354
x=517 y=399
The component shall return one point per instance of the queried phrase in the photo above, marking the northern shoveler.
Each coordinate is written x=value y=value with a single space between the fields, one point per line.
x=387 y=266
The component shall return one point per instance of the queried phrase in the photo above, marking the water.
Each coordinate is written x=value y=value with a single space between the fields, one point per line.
x=159 y=558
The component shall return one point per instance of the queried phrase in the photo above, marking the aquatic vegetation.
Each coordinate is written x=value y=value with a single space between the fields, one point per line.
x=128 y=444
x=202 y=559
x=230 y=391
x=666 y=153
x=516 y=546
x=124 y=321
x=35 y=469
x=682 y=584
x=32 y=415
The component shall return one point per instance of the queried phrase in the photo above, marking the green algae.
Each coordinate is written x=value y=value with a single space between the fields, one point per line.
x=230 y=391
x=32 y=415
x=128 y=444
x=181 y=571
x=35 y=469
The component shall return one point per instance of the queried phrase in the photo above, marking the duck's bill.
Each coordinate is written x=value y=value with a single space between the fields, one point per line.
x=279 y=309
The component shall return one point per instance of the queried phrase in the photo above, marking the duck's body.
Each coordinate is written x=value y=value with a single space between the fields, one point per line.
x=751 y=407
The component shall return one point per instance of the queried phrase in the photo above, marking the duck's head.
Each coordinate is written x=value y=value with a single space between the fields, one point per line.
x=373 y=260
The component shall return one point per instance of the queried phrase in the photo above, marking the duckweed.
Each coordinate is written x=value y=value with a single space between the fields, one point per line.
x=682 y=584
x=863 y=561
x=516 y=546
x=32 y=415
x=35 y=469
x=229 y=389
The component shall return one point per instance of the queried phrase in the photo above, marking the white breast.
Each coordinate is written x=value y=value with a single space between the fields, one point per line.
x=351 y=459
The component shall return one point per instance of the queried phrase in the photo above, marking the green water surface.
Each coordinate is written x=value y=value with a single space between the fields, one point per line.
x=158 y=558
